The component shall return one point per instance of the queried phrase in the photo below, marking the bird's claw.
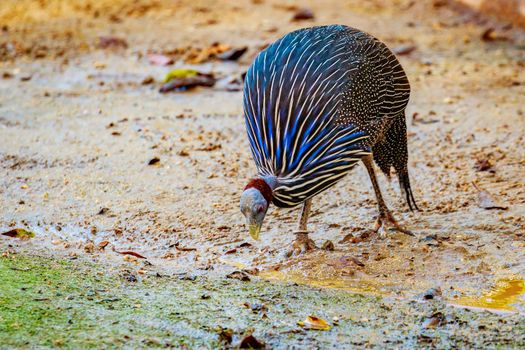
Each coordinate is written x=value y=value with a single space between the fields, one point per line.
x=387 y=217
x=301 y=244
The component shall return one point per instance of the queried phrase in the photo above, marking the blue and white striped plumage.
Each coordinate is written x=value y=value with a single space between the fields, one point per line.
x=299 y=129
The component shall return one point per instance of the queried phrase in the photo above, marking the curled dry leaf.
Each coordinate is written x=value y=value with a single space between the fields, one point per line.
x=128 y=252
x=232 y=54
x=486 y=201
x=159 y=60
x=314 y=323
x=404 y=49
x=303 y=14
x=107 y=42
x=103 y=245
x=239 y=275
x=154 y=160
x=250 y=342
x=19 y=233
x=178 y=81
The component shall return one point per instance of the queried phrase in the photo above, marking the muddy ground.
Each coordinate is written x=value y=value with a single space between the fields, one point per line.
x=80 y=123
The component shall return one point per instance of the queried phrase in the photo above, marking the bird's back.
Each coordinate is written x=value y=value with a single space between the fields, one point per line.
x=301 y=126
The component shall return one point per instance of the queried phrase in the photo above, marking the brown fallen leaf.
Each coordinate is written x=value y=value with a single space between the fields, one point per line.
x=183 y=249
x=328 y=245
x=490 y=34
x=19 y=233
x=250 y=342
x=239 y=275
x=303 y=14
x=102 y=245
x=159 y=60
x=183 y=84
x=437 y=319
x=404 y=49
x=106 y=42
x=154 y=160
x=486 y=201
x=232 y=54
x=128 y=252
x=314 y=323
x=484 y=164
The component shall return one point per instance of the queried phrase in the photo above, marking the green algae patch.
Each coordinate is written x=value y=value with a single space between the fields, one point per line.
x=49 y=303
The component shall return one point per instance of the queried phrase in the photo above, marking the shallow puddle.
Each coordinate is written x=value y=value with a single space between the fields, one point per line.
x=502 y=297
x=337 y=282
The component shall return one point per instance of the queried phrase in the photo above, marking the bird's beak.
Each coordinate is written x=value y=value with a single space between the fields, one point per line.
x=255 y=230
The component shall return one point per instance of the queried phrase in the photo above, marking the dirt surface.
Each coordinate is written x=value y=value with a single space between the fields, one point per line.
x=86 y=305
x=80 y=123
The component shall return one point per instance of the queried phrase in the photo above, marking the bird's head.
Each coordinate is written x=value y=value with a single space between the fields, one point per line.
x=255 y=201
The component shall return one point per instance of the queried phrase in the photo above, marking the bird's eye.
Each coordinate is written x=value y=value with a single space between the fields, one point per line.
x=260 y=209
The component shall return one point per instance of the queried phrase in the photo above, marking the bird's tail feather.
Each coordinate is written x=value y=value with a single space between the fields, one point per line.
x=391 y=151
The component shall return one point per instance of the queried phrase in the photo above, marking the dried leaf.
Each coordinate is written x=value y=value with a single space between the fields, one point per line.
x=315 y=323
x=404 y=49
x=239 y=275
x=19 y=233
x=232 y=54
x=486 y=201
x=303 y=14
x=154 y=160
x=250 y=342
x=128 y=252
x=182 y=84
x=103 y=245
x=437 y=319
x=490 y=34
x=180 y=73
x=484 y=165
x=106 y=42
x=183 y=249
x=159 y=60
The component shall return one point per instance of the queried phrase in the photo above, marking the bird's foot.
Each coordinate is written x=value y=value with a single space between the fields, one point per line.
x=301 y=244
x=386 y=218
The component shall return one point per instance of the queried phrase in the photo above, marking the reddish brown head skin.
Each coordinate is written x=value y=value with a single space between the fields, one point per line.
x=263 y=187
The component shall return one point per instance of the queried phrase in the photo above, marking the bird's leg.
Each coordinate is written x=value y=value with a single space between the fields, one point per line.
x=384 y=212
x=302 y=242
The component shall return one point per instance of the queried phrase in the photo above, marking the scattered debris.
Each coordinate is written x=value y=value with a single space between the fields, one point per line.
x=250 y=342
x=106 y=42
x=490 y=34
x=102 y=245
x=303 y=14
x=225 y=335
x=159 y=60
x=196 y=56
x=232 y=54
x=19 y=233
x=239 y=275
x=431 y=294
x=154 y=160
x=147 y=80
x=314 y=323
x=486 y=201
x=484 y=164
x=184 y=79
x=231 y=251
x=437 y=319
x=328 y=245
x=404 y=49
x=183 y=249
x=103 y=211
x=128 y=252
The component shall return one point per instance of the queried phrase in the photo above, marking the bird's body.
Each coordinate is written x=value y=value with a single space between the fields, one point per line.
x=316 y=102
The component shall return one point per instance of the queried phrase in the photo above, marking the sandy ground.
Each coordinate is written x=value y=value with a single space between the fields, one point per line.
x=78 y=128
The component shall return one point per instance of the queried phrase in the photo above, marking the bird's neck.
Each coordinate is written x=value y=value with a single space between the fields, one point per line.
x=263 y=185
